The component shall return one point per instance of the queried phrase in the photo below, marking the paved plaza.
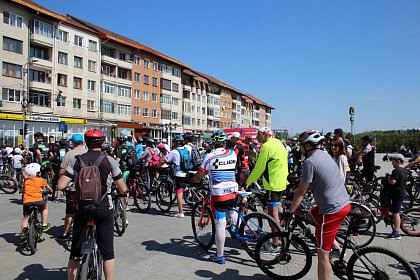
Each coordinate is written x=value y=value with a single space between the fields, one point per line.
x=155 y=246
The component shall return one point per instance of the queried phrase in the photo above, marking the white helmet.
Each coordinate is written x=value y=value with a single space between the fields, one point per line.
x=311 y=136
x=18 y=150
x=32 y=169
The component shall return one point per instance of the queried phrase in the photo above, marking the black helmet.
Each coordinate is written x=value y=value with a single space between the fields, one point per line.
x=38 y=134
x=106 y=146
x=179 y=140
x=62 y=142
x=188 y=136
x=148 y=140
x=366 y=138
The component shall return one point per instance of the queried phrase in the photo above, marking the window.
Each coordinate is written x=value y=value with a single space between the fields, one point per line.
x=108 y=88
x=155 y=66
x=146 y=63
x=108 y=52
x=62 y=58
x=78 y=41
x=186 y=120
x=193 y=108
x=193 y=96
x=12 y=20
x=62 y=80
x=92 y=66
x=93 y=46
x=136 y=111
x=175 y=116
x=42 y=28
x=176 y=72
x=198 y=109
x=145 y=95
x=91 y=106
x=12 y=70
x=37 y=76
x=137 y=60
x=166 y=68
x=123 y=110
x=122 y=73
x=165 y=99
x=107 y=107
x=61 y=101
x=146 y=79
x=12 y=45
x=124 y=56
x=154 y=113
x=91 y=85
x=175 y=87
x=146 y=112
x=154 y=82
x=166 y=84
x=203 y=110
x=124 y=91
x=106 y=70
x=63 y=36
x=77 y=83
x=154 y=97
x=78 y=62
x=137 y=77
x=175 y=101
x=38 y=52
x=11 y=95
x=192 y=121
x=165 y=114
x=77 y=103
x=39 y=99
x=186 y=94
x=136 y=94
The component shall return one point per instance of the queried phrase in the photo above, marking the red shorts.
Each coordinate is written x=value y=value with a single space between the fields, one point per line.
x=327 y=226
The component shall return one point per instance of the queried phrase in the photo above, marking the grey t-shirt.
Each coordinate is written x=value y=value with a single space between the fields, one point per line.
x=326 y=183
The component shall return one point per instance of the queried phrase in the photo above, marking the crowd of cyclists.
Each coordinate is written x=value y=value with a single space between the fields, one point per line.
x=320 y=164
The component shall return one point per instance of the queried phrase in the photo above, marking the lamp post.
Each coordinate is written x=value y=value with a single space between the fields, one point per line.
x=25 y=102
x=351 y=112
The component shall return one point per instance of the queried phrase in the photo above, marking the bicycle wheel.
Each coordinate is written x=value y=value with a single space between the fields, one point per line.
x=290 y=260
x=120 y=216
x=379 y=263
x=85 y=266
x=253 y=227
x=164 y=196
x=194 y=194
x=408 y=201
x=203 y=226
x=255 y=203
x=374 y=205
x=142 y=198
x=365 y=232
x=8 y=184
x=410 y=222
x=32 y=236
x=306 y=232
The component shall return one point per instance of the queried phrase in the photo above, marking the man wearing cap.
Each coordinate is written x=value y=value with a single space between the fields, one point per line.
x=368 y=158
x=78 y=149
x=272 y=165
x=165 y=143
x=241 y=150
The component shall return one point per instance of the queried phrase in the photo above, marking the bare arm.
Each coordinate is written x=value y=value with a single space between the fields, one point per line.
x=63 y=182
x=299 y=194
x=413 y=163
x=122 y=187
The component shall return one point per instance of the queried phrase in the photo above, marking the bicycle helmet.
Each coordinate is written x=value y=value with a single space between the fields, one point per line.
x=179 y=140
x=188 y=136
x=313 y=137
x=62 y=142
x=17 y=150
x=366 y=138
x=266 y=131
x=106 y=146
x=32 y=169
x=149 y=140
x=219 y=136
x=94 y=137
x=161 y=146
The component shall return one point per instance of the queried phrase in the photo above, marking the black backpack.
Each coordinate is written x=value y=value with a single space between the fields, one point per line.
x=195 y=158
x=131 y=157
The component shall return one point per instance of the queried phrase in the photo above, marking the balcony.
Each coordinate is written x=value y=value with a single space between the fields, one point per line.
x=40 y=63
x=114 y=79
x=39 y=86
x=114 y=61
x=42 y=40
x=237 y=101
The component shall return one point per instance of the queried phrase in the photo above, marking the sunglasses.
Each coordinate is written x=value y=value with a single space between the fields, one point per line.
x=335 y=145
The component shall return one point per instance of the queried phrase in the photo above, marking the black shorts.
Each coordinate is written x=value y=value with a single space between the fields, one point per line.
x=273 y=198
x=224 y=206
x=104 y=221
x=396 y=204
x=69 y=204
x=27 y=207
x=180 y=182
x=368 y=174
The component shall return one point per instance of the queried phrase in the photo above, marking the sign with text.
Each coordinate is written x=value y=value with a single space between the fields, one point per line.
x=42 y=118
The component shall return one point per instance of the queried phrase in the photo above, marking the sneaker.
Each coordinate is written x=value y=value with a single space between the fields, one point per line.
x=179 y=215
x=335 y=253
x=127 y=208
x=46 y=227
x=216 y=259
x=395 y=235
x=41 y=238
x=271 y=248
x=126 y=222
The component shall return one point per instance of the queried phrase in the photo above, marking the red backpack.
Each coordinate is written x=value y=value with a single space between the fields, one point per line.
x=155 y=160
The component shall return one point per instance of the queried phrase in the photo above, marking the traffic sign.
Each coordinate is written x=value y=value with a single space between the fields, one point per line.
x=62 y=127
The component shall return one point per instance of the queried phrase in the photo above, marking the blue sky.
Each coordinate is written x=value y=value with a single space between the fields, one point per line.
x=311 y=60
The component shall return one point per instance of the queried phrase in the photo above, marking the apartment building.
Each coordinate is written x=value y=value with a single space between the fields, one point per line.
x=226 y=104
x=236 y=110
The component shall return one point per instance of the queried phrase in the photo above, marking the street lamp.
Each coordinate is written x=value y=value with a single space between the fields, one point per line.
x=25 y=102
x=351 y=112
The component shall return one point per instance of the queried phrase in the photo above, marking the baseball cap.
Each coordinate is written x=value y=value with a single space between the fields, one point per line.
x=164 y=140
x=77 y=138
x=236 y=135
x=265 y=130
x=397 y=157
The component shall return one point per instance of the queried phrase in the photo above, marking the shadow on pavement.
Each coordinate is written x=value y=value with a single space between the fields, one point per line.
x=12 y=238
x=55 y=232
x=16 y=200
x=416 y=266
x=37 y=271
x=228 y=274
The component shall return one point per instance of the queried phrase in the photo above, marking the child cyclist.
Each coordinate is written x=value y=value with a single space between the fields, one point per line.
x=32 y=195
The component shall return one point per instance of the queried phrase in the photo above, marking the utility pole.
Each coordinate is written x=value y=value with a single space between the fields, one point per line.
x=351 y=112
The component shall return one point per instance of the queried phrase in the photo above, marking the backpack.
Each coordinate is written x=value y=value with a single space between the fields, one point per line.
x=88 y=184
x=185 y=163
x=155 y=160
x=196 y=158
x=131 y=157
x=385 y=195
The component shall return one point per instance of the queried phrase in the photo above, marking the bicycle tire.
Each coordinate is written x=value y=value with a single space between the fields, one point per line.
x=32 y=236
x=201 y=219
x=120 y=216
x=252 y=239
x=408 y=201
x=354 y=267
x=8 y=184
x=84 y=266
x=306 y=232
x=365 y=233
x=194 y=194
x=255 y=203
x=410 y=222
x=164 y=196
x=142 y=198
x=268 y=261
x=375 y=207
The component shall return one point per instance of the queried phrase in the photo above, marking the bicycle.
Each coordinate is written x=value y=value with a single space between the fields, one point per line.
x=8 y=184
x=139 y=189
x=248 y=228
x=293 y=259
x=91 y=266
x=120 y=212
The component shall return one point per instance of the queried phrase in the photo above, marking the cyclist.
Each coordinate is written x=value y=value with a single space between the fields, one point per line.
x=139 y=147
x=42 y=154
x=17 y=159
x=32 y=196
x=221 y=164
x=321 y=175
x=272 y=165
x=78 y=149
x=195 y=157
x=103 y=214
x=241 y=150
x=368 y=158
x=55 y=164
x=149 y=153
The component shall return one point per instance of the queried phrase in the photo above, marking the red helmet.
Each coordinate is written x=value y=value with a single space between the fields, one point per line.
x=94 y=137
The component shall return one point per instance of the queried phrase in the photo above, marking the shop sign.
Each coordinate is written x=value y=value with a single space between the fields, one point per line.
x=41 y=118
